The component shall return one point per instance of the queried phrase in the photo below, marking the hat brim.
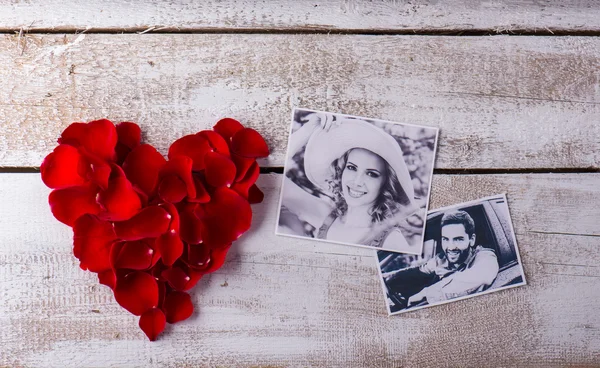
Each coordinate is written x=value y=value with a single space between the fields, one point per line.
x=324 y=147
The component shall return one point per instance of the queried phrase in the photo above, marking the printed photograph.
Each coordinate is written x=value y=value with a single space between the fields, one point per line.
x=469 y=249
x=357 y=181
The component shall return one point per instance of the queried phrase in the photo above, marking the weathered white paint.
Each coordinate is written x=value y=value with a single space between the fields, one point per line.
x=361 y=15
x=280 y=301
x=500 y=102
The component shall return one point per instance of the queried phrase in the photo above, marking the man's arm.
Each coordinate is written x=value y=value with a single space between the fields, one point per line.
x=482 y=273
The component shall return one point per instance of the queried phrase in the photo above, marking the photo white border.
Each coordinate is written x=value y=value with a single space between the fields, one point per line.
x=524 y=282
x=435 y=146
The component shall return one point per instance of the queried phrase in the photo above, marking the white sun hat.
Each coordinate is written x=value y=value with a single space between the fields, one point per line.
x=324 y=147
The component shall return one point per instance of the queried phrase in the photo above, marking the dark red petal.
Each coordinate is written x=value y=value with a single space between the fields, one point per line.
x=192 y=146
x=63 y=168
x=129 y=134
x=178 y=306
x=225 y=218
x=227 y=128
x=148 y=223
x=172 y=189
x=92 y=241
x=255 y=195
x=101 y=139
x=190 y=226
x=198 y=256
x=215 y=140
x=99 y=173
x=242 y=165
x=170 y=247
x=129 y=137
x=220 y=170
x=120 y=200
x=74 y=134
x=181 y=166
x=134 y=255
x=176 y=277
x=137 y=292
x=194 y=278
x=153 y=322
x=249 y=143
x=142 y=166
x=107 y=278
x=243 y=186
x=172 y=210
x=68 y=204
x=162 y=291
x=217 y=258
x=201 y=193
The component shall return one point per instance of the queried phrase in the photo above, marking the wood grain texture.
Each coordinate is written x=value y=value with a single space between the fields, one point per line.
x=500 y=102
x=283 y=302
x=334 y=15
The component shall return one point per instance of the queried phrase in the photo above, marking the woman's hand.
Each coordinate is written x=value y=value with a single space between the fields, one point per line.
x=320 y=120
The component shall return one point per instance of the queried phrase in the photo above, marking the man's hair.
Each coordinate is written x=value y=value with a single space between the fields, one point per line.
x=459 y=217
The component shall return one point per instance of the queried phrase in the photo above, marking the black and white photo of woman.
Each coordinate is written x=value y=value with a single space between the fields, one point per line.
x=348 y=180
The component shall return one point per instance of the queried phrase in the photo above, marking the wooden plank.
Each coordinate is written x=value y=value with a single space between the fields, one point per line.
x=354 y=15
x=280 y=301
x=501 y=102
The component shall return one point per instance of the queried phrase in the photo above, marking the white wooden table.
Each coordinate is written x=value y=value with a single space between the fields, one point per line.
x=518 y=112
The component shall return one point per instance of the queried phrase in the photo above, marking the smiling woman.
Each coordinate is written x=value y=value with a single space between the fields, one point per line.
x=357 y=181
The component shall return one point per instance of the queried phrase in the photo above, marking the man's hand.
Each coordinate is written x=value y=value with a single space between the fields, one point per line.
x=417 y=298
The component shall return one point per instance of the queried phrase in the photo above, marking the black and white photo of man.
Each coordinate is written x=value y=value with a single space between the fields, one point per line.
x=462 y=265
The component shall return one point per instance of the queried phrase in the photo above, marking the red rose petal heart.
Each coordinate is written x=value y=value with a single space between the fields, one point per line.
x=149 y=227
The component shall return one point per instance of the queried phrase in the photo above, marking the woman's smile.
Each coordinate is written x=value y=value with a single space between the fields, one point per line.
x=362 y=178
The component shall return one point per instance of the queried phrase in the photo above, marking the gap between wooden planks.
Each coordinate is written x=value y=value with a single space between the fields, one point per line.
x=500 y=102
x=507 y=16
x=280 y=301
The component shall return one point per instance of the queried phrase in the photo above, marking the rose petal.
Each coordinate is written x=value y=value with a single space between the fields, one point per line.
x=215 y=140
x=227 y=128
x=198 y=256
x=219 y=226
x=249 y=143
x=137 y=292
x=162 y=291
x=181 y=166
x=148 y=223
x=242 y=165
x=98 y=171
x=170 y=247
x=98 y=137
x=101 y=139
x=172 y=210
x=201 y=193
x=63 y=168
x=142 y=166
x=217 y=258
x=153 y=322
x=220 y=170
x=243 y=186
x=255 y=195
x=92 y=241
x=178 y=306
x=192 y=146
x=107 y=278
x=120 y=200
x=134 y=255
x=129 y=136
x=74 y=134
x=68 y=204
x=172 y=189
x=176 y=277
x=190 y=228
